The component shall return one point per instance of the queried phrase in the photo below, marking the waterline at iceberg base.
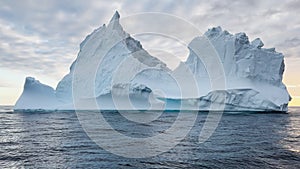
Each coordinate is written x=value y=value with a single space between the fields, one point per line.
x=97 y=78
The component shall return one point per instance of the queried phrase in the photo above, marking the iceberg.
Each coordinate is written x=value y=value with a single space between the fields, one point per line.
x=36 y=96
x=113 y=72
x=253 y=74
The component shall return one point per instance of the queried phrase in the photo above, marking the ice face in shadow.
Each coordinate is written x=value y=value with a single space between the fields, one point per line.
x=109 y=56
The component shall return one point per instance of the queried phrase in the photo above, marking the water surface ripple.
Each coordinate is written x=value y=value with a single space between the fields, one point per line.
x=242 y=140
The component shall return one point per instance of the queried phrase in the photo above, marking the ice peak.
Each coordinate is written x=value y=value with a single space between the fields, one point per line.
x=215 y=31
x=114 y=22
x=115 y=17
x=242 y=38
x=257 y=43
x=30 y=81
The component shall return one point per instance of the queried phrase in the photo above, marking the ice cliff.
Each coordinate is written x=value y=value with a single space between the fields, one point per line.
x=253 y=75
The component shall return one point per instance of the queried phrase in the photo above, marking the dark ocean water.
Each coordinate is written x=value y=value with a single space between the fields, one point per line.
x=241 y=140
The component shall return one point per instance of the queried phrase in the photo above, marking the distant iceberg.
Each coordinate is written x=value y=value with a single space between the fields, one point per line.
x=97 y=77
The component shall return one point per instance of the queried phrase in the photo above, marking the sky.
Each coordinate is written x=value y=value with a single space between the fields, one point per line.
x=41 y=38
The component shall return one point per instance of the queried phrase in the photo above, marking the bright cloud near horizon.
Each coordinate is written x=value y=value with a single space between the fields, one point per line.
x=41 y=38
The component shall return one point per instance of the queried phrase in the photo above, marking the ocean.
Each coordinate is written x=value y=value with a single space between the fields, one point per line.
x=241 y=140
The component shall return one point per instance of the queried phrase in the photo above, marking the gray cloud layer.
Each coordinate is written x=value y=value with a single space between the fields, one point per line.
x=44 y=36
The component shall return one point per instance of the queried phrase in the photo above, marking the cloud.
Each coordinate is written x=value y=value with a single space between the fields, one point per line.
x=293 y=86
x=292 y=42
x=4 y=84
x=44 y=37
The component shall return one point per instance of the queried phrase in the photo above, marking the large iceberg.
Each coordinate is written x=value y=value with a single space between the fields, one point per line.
x=113 y=71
